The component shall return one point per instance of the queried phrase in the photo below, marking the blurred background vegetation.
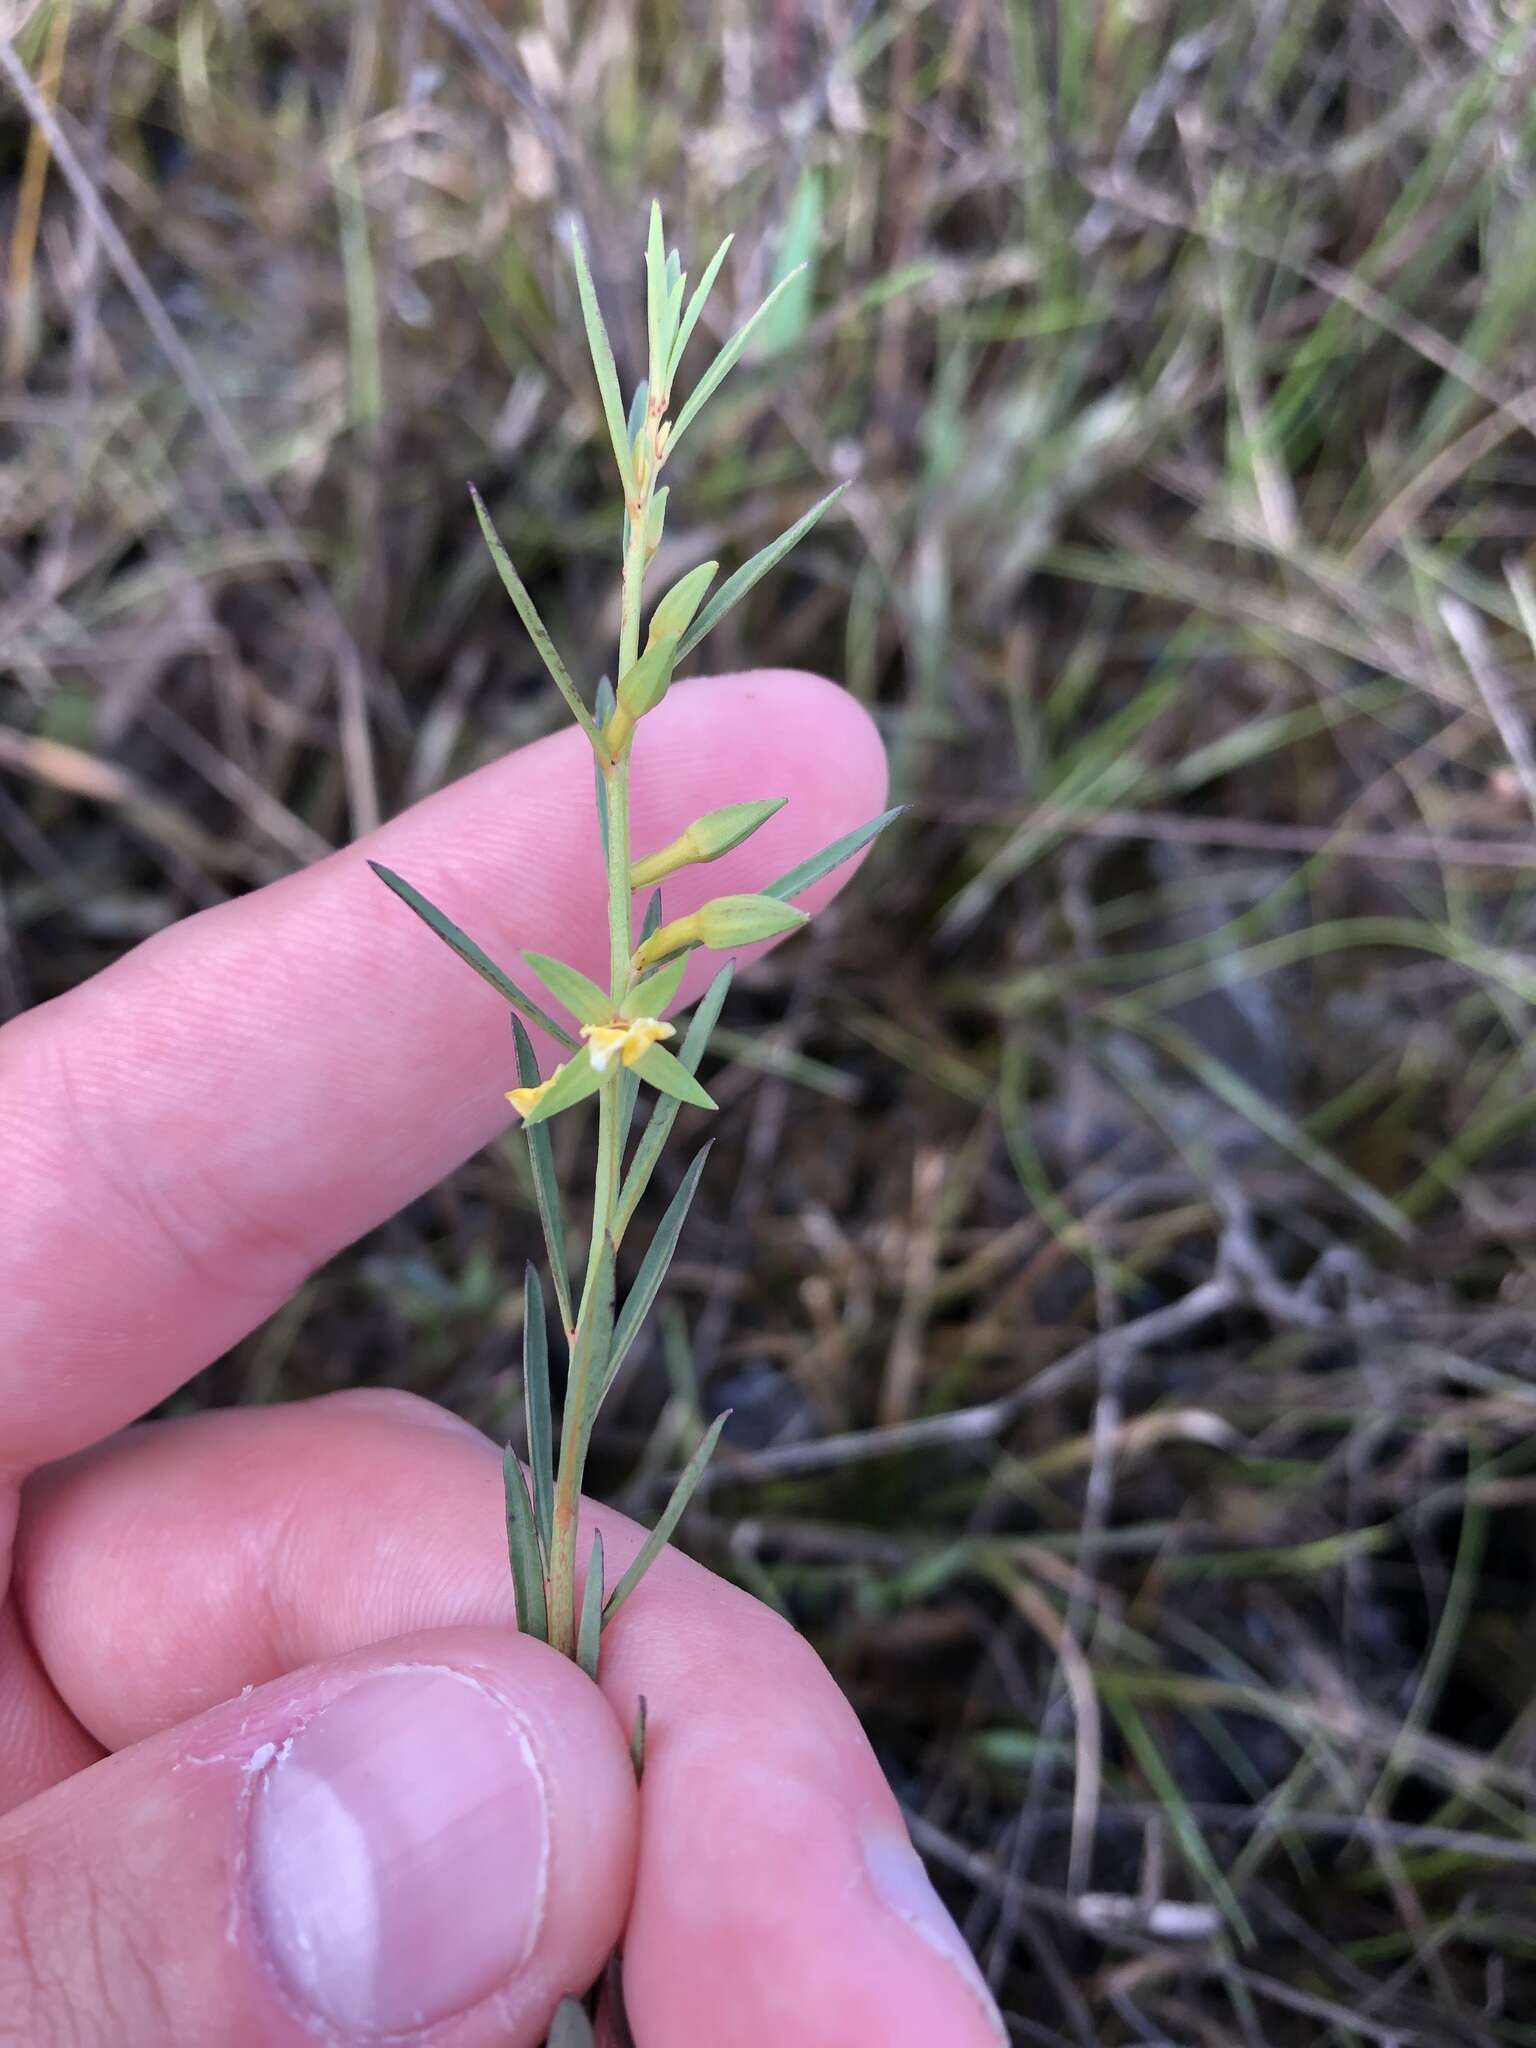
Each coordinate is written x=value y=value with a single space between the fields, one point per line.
x=1119 y=1253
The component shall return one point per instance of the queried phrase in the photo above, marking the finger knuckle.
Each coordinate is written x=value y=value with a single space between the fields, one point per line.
x=73 y=1972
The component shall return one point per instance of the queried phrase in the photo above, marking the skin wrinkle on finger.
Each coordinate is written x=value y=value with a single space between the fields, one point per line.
x=254 y=1088
x=759 y=1783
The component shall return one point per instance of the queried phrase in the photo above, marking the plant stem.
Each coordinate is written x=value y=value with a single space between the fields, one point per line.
x=585 y=1365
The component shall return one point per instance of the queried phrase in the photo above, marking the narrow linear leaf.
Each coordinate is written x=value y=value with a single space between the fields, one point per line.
x=735 y=588
x=650 y=998
x=638 y=405
x=523 y=1551
x=725 y=362
x=528 y=612
x=667 y=1073
x=637 y=1739
x=605 y=706
x=653 y=1267
x=470 y=953
x=590 y=1628
x=830 y=857
x=696 y=305
x=629 y=1084
x=575 y=1081
x=657 y=292
x=536 y=1408
x=589 y=1358
x=546 y=1185
x=568 y=985
x=603 y=364
x=659 y=1126
x=672 y=1514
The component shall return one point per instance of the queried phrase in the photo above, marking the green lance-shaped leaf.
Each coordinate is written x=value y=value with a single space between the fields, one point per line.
x=590 y=1628
x=735 y=588
x=603 y=363
x=831 y=857
x=568 y=985
x=523 y=1550
x=696 y=306
x=653 y=996
x=674 y=614
x=470 y=953
x=723 y=364
x=661 y=1535
x=527 y=611
x=546 y=1184
x=669 y=1076
x=576 y=1080
x=657 y=292
x=653 y=1267
x=635 y=419
x=659 y=1125
x=588 y=1375
x=536 y=1406
x=603 y=706
x=656 y=520
x=717 y=832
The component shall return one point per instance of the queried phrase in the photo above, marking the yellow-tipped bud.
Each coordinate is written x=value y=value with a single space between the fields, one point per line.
x=705 y=839
x=723 y=923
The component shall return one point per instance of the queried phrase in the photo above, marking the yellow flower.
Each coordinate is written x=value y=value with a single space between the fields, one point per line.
x=526 y=1100
x=631 y=1041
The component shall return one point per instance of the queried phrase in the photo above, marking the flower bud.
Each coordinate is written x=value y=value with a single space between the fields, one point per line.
x=644 y=683
x=724 y=923
x=674 y=615
x=705 y=839
x=743 y=920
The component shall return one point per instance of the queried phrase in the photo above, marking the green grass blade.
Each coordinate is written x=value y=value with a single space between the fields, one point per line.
x=664 y=1115
x=696 y=305
x=536 y=1408
x=590 y=1628
x=568 y=985
x=672 y=1514
x=523 y=1551
x=724 y=363
x=735 y=588
x=528 y=612
x=653 y=1267
x=471 y=954
x=603 y=364
x=546 y=1186
x=830 y=857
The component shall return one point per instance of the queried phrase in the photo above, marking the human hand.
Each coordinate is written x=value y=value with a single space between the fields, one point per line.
x=419 y=1825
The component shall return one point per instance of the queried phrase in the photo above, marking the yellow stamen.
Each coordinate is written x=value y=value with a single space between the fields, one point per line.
x=631 y=1041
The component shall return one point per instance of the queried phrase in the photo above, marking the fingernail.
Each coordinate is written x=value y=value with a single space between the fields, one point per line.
x=399 y=1852
x=905 y=1888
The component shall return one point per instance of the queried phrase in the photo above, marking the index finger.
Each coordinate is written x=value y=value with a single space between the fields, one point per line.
x=192 y=1132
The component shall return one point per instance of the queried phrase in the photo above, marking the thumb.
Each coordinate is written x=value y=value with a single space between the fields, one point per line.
x=435 y=1834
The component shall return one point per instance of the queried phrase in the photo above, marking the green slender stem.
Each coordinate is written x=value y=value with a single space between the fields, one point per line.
x=585 y=1365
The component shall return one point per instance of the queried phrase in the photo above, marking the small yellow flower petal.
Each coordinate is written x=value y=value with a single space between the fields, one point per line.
x=526 y=1100
x=631 y=1041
